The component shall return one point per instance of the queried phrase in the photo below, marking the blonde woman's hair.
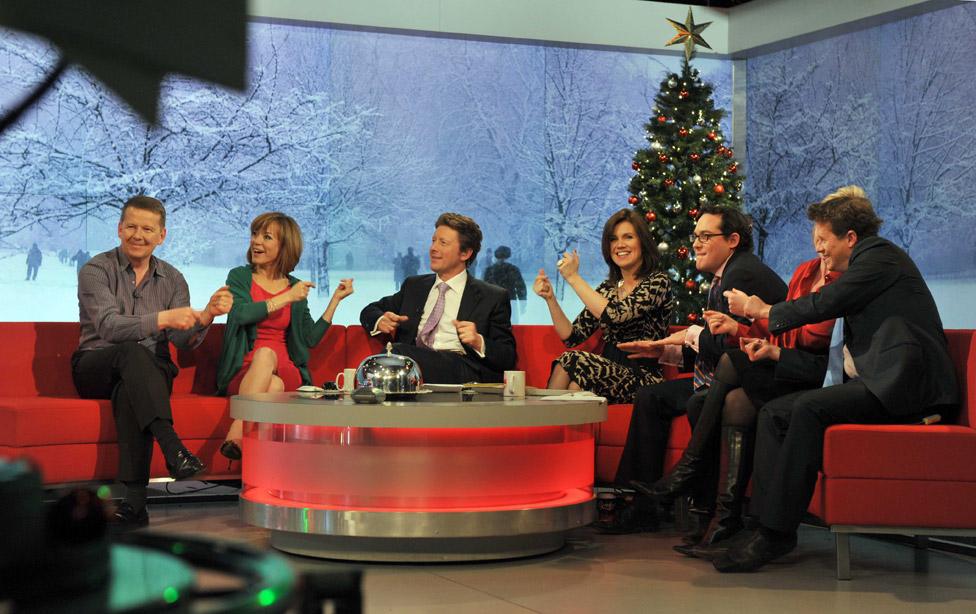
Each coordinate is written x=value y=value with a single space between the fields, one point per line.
x=848 y=208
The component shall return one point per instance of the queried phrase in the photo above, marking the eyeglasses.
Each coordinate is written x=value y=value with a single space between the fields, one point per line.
x=705 y=237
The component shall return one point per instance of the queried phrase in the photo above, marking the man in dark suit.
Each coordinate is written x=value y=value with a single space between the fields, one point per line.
x=894 y=365
x=723 y=249
x=457 y=328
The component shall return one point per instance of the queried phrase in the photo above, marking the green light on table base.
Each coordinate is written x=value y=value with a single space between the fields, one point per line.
x=267 y=597
x=170 y=594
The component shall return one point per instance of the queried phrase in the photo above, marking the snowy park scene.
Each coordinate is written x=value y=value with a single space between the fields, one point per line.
x=365 y=137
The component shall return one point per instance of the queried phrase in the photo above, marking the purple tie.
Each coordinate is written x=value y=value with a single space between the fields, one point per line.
x=426 y=336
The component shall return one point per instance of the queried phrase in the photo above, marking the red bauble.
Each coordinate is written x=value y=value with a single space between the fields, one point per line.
x=712 y=136
x=661 y=119
x=691 y=284
x=635 y=166
x=668 y=182
x=694 y=157
x=683 y=94
x=682 y=132
x=733 y=168
x=693 y=213
x=682 y=252
x=650 y=216
x=729 y=153
x=692 y=318
x=719 y=189
x=663 y=159
x=721 y=150
x=633 y=200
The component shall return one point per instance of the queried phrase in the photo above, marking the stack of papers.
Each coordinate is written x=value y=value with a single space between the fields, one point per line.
x=581 y=395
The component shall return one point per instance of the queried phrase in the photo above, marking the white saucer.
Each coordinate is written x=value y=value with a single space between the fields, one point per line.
x=314 y=392
x=443 y=387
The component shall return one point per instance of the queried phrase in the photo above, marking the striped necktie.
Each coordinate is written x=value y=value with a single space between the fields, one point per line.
x=426 y=336
x=704 y=370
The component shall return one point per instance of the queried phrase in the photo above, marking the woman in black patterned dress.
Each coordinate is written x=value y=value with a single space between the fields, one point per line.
x=633 y=303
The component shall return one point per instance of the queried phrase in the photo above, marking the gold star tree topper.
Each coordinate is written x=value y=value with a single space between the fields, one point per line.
x=689 y=33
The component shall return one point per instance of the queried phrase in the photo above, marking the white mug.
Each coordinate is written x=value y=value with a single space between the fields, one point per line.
x=514 y=385
x=346 y=380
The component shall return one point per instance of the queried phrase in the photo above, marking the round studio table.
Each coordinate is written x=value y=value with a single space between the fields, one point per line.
x=431 y=478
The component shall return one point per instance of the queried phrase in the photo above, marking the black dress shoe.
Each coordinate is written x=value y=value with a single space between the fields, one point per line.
x=127 y=519
x=713 y=550
x=186 y=466
x=759 y=548
x=230 y=449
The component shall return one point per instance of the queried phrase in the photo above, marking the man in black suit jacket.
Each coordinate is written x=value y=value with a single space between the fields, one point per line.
x=458 y=329
x=898 y=368
x=723 y=248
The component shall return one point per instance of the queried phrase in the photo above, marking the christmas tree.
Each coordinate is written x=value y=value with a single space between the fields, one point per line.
x=687 y=166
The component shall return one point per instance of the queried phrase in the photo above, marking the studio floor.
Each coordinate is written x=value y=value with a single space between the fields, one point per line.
x=631 y=573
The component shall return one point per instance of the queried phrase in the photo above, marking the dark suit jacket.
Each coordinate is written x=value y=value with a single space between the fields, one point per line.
x=484 y=304
x=891 y=327
x=745 y=272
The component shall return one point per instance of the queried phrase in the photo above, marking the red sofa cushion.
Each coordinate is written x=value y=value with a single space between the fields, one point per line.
x=538 y=345
x=899 y=503
x=359 y=345
x=902 y=452
x=329 y=357
x=36 y=421
x=36 y=358
x=962 y=349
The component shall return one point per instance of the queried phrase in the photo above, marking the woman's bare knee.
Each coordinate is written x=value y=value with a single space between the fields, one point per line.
x=277 y=384
x=265 y=356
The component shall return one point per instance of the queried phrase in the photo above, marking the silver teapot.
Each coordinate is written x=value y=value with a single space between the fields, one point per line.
x=391 y=373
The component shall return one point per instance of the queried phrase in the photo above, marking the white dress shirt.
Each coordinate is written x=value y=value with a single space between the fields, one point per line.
x=445 y=335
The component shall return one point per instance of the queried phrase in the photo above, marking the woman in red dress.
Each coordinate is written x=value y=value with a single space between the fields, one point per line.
x=270 y=330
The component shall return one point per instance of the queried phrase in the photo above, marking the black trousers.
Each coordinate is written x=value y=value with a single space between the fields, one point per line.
x=139 y=384
x=789 y=446
x=650 y=426
x=441 y=367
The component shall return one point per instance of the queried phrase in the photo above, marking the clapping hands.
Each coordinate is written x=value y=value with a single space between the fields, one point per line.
x=720 y=323
x=759 y=349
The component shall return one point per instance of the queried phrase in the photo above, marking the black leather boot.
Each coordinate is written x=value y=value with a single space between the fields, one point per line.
x=682 y=478
x=734 y=472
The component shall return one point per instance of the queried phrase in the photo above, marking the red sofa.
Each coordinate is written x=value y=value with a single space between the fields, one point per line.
x=918 y=480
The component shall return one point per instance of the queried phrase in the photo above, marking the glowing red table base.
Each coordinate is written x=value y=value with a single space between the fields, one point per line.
x=499 y=479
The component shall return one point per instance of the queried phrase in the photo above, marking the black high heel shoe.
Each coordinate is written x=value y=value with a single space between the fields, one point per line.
x=230 y=449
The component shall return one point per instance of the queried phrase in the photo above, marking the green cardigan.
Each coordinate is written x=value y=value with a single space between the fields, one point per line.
x=241 y=331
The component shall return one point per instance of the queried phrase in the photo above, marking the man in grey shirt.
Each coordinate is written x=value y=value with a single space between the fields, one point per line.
x=131 y=306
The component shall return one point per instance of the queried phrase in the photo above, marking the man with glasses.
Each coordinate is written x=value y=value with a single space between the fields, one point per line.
x=723 y=249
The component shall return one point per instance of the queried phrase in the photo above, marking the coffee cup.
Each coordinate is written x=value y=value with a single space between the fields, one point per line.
x=514 y=385
x=346 y=380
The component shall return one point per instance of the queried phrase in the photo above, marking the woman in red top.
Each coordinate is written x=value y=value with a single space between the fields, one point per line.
x=764 y=368
x=269 y=330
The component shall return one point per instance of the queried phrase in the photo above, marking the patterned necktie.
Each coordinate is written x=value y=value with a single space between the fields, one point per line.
x=704 y=371
x=835 y=356
x=426 y=336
